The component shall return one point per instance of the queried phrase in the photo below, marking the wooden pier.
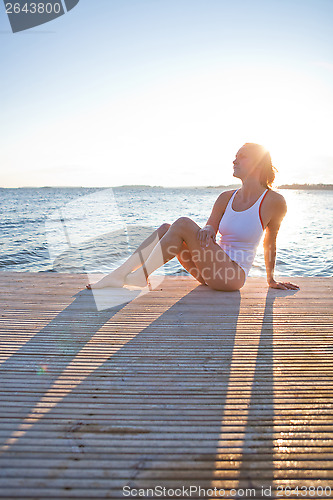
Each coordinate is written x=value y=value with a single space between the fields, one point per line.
x=182 y=387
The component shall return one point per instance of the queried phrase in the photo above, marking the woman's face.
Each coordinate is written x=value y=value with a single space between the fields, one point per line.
x=244 y=163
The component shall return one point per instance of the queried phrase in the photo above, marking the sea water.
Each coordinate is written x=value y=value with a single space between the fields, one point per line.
x=95 y=229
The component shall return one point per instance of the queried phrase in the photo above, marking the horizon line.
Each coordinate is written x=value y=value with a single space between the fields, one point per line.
x=282 y=186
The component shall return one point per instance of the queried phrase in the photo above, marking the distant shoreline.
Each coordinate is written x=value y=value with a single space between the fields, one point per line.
x=306 y=186
x=326 y=187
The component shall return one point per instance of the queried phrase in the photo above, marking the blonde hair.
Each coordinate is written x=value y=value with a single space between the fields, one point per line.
x=264 y=161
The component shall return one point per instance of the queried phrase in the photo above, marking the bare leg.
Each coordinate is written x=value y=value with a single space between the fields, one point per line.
x=169 y=246
x=186 y=261
x=117 y=277
x=215 y=266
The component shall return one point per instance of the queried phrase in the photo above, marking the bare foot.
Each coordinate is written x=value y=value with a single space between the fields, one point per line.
x=136 y=279
x=114 y=280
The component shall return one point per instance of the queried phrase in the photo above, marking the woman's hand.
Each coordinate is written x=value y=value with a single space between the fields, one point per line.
x=284 y=286
x=205 y=234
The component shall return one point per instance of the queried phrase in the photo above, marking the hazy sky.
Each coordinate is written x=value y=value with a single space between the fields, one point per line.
x=164 y=92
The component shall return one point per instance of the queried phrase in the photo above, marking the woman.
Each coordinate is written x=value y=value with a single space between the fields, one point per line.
x=239 y=215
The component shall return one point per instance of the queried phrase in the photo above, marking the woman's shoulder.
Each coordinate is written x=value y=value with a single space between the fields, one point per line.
x=224 y=197
x=226 y=194
x=276 y=200
x=275 y=196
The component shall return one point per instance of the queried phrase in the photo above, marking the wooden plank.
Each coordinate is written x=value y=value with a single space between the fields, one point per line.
x=182 y=386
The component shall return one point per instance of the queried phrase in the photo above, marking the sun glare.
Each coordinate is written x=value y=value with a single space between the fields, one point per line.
x=185 y=131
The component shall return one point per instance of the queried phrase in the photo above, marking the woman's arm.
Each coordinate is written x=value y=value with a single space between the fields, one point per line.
x=212 y=225
x=272 y=229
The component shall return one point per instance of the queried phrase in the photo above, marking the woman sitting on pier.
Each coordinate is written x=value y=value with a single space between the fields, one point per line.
x=240 y=216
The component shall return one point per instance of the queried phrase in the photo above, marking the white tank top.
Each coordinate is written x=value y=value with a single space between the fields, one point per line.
x=240 y=233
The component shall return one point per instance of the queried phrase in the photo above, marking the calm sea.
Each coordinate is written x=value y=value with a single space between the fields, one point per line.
x=92 y=230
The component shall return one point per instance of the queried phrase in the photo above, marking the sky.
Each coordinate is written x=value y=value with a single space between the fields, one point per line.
x=164 y=92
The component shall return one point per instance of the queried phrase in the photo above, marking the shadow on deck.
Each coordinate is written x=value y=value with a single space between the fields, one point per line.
x=184 y=387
